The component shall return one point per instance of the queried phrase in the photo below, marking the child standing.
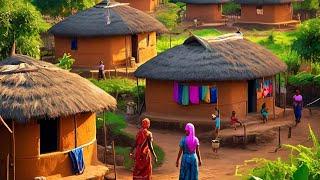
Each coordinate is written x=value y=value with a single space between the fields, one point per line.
x=234 y=120
x=216 y=118
x=264 y=113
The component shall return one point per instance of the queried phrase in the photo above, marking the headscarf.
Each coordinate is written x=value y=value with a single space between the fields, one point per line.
x=191 y=140
x=145 y=124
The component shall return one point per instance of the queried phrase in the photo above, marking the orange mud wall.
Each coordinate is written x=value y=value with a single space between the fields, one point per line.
x=204 y=12
x=143 y=5
x=271 y=13
x=111 y=50
x=30 y=163
x=232 y=96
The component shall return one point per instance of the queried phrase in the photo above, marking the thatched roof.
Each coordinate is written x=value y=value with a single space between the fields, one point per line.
x=228 y=57
x=93 y=22
x=260 y=2
x=33 y=89
x=204 y=1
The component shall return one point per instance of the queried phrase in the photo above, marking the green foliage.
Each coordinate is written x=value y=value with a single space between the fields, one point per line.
x=231 y=8
x=307 y=5
x=302 y=78
x=62 y=7
x=66 y=61
x=293 y=63
x=304 y=164
x=307 y=41
x=116 y=122
x=169 y=16
x=315 y=68
x=22 y=23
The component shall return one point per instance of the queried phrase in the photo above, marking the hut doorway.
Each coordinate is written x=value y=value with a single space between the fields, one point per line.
x=252 y=96
x=135 y=47
x=49 y=135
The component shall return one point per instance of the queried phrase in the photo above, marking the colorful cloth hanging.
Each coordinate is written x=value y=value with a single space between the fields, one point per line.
x=213 y=95
x=194 y=94
x=180 y=89
x=200 y=93
x=176 y=92
x=185 y=95
x=207 y=95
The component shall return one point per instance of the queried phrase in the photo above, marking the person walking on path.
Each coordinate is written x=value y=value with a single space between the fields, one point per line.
x=191 y=159
x=101 y=74
x=142 y=158
x=297 y=106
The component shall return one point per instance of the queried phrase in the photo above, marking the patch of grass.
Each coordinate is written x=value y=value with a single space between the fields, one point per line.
x=169 y=15
x=116 y=122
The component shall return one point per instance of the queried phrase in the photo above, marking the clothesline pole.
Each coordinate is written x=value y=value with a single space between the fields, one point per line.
x=114 y=161
x=5 y=124
x=285 y=94
x=75 y=131
x=274 y=98
x=105 y=137
x=279 y=88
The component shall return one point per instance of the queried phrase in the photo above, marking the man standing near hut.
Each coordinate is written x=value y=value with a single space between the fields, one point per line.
x=297 y=106
x=101 y=74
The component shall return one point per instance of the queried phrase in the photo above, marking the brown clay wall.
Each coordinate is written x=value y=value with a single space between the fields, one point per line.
x=5 y=148
x=271 y=13
x=231 y=96
x=147 y=50
x=91 y=50
x=30 y=163
x=143 y=5
x=204 y=12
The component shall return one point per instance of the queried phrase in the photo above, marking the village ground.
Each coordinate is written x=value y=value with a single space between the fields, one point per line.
x=224 y=165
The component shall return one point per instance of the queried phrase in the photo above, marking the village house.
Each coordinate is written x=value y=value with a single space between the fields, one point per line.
x=143 y=5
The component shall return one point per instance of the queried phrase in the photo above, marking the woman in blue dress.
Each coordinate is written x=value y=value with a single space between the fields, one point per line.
x=191 y=159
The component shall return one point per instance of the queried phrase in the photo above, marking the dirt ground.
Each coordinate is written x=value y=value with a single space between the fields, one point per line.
x=224 y=164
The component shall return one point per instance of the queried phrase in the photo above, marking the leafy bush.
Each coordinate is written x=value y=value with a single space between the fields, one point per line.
x=304 y=164
x=66 y=61
x=302 y=78
x=231 y=8
x=169 y=16
x=315 y=68
x=293 y=63
x=116 y=122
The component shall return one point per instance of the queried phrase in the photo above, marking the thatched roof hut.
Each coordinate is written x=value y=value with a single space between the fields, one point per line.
x=47 y=113
x=259 y=2
x=239 y=70
x=198 y=59
x=111 y=32
x=32 y=89
x=205 y=11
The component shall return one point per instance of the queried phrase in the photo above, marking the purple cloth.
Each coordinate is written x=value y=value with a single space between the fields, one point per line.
x=176 y=92
x=191 y=140
x=194 y=94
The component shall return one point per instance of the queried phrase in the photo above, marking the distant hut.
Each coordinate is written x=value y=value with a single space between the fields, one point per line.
x=207 y=11
x=110 y=32
x=269 y=12
x=142 y=5
x=50 y=112
x=230 y=72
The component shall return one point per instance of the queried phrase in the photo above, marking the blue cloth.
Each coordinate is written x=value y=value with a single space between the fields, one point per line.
x=213 y=95
x=200 y=93
x=76 y=156
x=218 y=122
x=297 y=112
x=189 y=163
x=180 y=88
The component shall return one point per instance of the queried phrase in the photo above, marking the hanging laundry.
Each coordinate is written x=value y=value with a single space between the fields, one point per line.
x=185 y=95
x=205 y=90
x=76 y=156
x=270 y=88
x=200 y=93
x=207 y=95
x=194 y=94
x=213 y=95
x=180 y=89
x=176 y=92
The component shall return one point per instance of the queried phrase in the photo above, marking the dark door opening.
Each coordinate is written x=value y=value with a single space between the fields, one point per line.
x=252 y=96
x=49 y=135
x=135 y=47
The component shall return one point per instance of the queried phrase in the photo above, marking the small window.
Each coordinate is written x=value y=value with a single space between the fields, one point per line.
x=49 y=135
x=148 y=40
x=74 y=44
x=259 y=10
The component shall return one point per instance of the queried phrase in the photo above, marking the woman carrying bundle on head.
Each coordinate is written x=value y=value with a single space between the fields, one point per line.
x=191 y=159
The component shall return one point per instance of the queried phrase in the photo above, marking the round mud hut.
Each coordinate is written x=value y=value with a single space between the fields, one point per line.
x=204 y=11
x=110 y=32
x=143 y=5
x=187 y=82
x=267 y=12
x=47 y=118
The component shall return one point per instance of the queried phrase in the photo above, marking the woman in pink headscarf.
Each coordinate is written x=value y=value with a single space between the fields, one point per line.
x=189 y=146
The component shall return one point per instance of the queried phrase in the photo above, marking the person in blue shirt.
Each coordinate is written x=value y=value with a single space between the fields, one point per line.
x=216 y=118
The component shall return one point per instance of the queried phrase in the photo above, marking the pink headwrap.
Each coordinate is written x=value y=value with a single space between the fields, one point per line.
x=191 y=140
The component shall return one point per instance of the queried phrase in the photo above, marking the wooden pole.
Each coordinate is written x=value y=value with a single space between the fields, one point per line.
x=5 y=124
x=274 y=98
x=289 y=132
x=105 y=138
x=279 y=88
x=125 y=43
x=138 y=94
x=14 y=151
x=75 y=131
x=8 y=167
x=285 y=95
x=114 y=161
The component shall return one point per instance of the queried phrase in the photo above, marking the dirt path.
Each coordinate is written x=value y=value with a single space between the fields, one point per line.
x=222 y=166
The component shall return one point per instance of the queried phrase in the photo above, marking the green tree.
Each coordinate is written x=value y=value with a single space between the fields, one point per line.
x=307 y=43
x=62 y=7
x=20 y=23
x=307 y=5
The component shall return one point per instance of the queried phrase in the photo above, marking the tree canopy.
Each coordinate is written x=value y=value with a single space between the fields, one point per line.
x=307 y=43
x=20 y=22
x=62 y=7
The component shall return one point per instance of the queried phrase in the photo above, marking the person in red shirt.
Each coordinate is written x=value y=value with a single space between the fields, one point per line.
x=234 y=120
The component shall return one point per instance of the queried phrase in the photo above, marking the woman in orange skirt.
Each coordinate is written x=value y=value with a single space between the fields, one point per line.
x=144 y=148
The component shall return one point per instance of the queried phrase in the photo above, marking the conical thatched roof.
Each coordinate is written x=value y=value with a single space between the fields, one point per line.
x=228 y=57
x=204 y=1
x=35 y=89
x=93 y=22
x=261 y=2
